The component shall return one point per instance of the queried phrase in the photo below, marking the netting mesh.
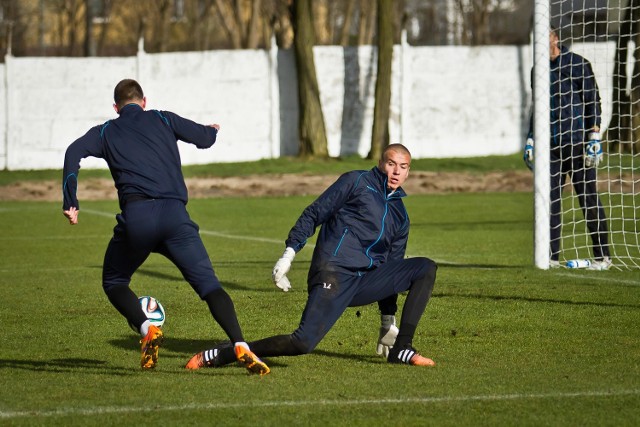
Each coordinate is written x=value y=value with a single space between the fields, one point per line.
x=598 y=209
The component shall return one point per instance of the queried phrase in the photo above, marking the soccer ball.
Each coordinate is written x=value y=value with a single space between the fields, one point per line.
x=153 y=309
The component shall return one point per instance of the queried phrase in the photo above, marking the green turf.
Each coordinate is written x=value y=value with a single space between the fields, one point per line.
x=514 y=345
x=295 y=165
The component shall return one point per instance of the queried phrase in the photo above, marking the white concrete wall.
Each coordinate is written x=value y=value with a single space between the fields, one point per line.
x=467 y=101
x=446 y=101
x=3 y=117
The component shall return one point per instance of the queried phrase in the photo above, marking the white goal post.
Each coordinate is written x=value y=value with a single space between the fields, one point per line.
x=607 y=34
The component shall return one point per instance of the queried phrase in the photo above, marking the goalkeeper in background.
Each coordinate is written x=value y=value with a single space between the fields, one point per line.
x=359 y=259
x=575 y=147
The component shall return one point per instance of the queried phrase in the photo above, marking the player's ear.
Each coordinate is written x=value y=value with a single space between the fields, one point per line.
x=144 y=102
x=115 y=107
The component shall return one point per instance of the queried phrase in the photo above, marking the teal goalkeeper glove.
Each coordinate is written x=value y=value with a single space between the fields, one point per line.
x=388 y=334
x=593 y=152
x=528 y=154
x=282 y=267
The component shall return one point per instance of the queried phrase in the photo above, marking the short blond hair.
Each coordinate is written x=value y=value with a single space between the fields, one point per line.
x=398 y=148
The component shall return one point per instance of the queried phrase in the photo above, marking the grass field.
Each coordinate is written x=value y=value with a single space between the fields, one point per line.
x=514 y=345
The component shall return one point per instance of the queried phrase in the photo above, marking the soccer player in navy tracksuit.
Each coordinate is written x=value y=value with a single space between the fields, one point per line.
x=140 y=148
x=358 y=260
x=575 y=123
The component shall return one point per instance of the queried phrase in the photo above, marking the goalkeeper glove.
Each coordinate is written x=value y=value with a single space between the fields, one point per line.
x=593 y=154
x=282 y=267
x=388 y=334
x=528 y=154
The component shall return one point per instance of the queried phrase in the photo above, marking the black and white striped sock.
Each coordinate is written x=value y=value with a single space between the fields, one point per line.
x=406 y=354
x=210 y=356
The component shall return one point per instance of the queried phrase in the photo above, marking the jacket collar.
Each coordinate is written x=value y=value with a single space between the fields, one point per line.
x=381 y=180
x=130 y=108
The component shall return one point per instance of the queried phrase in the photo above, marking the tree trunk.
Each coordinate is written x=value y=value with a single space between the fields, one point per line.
x=345 y=35
x=380 y=132
x=231 y=24
x=313 y=136
x=253 y=32
x=89 y=40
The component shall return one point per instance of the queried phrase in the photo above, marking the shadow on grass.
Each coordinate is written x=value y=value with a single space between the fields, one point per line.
x=530 y=299
x=473 y=225
x=183 y=347
x=186 y=346
x=69 y=365
x=487 y=266
x=176 y=278
x=347 y=356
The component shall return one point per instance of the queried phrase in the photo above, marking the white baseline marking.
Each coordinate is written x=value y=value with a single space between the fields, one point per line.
x=99 y=213
x=236 y=237
x=602 y=278
x=209 y=232
x=293 y=403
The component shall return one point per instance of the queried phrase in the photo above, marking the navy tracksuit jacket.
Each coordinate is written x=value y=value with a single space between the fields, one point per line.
x=362 y=225
x=140 y=148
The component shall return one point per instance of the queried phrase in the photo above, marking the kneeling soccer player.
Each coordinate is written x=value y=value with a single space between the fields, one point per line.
x=358 y=260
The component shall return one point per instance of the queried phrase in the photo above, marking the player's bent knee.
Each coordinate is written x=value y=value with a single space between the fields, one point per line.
x=108 y=285
x=303 y=346
x=426 y=266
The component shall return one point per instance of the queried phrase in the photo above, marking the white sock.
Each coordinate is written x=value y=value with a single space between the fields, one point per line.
x=242 y=344
x=144 y=329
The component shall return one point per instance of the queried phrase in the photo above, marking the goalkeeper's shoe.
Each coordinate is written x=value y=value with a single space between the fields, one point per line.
x=150 y=345
x=600 y=264
x=206 y=359
x=554 y=263
x=251 y=361
x=408 y=355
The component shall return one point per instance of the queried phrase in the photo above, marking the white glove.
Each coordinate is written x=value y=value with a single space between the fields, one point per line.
x=528 y=153
x=593 y=152
x=282 y=267
x=388 y=334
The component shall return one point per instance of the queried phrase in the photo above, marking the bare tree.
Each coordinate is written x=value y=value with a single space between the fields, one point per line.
x=103 y=30
x=345 y=35
x=321 y=22
x=366 y=22
x=313 y=135
x=475 y=21
x=70 y=20
x=380 y=131
x=241 y=21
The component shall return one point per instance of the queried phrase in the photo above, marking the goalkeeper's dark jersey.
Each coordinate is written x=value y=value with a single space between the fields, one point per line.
x=574 y=99
x=363 y=225
x=141 y=150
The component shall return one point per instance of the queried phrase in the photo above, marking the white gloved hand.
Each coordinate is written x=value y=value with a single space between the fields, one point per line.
x=528 y=153
x=388 y=334
x=593 y=152
x=282 y=267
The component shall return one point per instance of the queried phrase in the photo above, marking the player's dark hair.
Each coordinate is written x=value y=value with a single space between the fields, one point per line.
x=127 y=91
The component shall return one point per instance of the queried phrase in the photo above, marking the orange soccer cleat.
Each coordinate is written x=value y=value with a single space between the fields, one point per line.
x=150 y=345
x=251 y=361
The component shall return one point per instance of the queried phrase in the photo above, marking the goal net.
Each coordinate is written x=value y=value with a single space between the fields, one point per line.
x=607 y=34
